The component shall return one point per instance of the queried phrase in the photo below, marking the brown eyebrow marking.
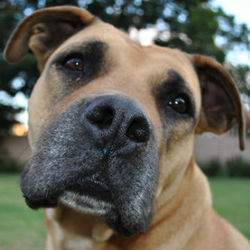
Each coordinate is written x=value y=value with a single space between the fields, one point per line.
x=96 y=48
x=174 y=83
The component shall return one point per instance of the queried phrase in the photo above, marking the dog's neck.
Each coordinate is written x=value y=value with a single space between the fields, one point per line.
x=176 y=210
x=181 y=209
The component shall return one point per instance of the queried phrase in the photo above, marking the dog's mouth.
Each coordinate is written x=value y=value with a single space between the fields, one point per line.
x=100 y=167
x=92 y=196
x=85 y=203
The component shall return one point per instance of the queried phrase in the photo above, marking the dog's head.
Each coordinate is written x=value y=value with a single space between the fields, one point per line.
x=111 y=122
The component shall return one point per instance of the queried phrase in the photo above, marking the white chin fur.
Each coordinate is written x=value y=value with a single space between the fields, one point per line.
x=85 y=204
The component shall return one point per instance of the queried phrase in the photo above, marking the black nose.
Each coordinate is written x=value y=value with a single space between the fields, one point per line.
x=116 y=118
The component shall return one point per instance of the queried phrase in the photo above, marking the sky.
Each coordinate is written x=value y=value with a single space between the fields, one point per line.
x=239 y=8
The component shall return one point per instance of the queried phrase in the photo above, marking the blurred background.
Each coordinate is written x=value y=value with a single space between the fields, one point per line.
x=217 y=28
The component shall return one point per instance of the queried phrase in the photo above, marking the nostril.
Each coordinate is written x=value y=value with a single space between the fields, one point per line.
x=102 y=117
x=138 y=130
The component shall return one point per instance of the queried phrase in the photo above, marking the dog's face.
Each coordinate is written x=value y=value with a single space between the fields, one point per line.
x=99 y=118
x=110 y=118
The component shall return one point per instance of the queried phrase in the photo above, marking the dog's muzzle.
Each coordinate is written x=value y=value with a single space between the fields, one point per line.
x=100 y=156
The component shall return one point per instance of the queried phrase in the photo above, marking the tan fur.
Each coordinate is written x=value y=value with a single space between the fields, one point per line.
x=184 y=217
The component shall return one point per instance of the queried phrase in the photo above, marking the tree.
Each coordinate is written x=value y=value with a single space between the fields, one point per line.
x=26 y=70
x=192 y=26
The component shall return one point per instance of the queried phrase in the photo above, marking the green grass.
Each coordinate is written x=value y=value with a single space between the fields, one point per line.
x=23 y=229
x=232 y=201
x=20 y=227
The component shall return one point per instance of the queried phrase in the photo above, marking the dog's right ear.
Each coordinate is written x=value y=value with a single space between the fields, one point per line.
x=44 y=30
x=221 y=104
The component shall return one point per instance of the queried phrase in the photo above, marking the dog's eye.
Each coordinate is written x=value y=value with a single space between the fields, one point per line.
x=180 y=104
x=74 y=63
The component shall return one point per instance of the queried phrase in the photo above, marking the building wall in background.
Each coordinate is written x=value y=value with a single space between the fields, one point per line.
x=15 y=148
x=224 y=147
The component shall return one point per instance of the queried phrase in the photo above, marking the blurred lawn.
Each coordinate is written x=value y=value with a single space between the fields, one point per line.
x=20 y=227
x=231 y=199
x=23 y=229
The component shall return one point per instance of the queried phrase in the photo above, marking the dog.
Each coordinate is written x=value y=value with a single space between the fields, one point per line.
x=112 y=126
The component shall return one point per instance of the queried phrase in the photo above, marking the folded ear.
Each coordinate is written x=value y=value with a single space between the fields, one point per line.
x=44 y=30
x=247 y=119
x=221 y=104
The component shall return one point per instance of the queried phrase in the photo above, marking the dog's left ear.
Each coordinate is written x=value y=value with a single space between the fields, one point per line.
x=221 y=104
x=44 y=30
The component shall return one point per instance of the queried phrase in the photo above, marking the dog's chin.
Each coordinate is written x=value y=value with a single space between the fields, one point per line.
x=108 y=212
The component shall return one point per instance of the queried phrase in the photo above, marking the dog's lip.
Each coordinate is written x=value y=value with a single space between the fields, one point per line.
x=85 y=203
x=92 y=188
x=37 y=203
x=91 y=195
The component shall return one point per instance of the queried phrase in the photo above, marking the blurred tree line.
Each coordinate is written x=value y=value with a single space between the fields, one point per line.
x=190 y=25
